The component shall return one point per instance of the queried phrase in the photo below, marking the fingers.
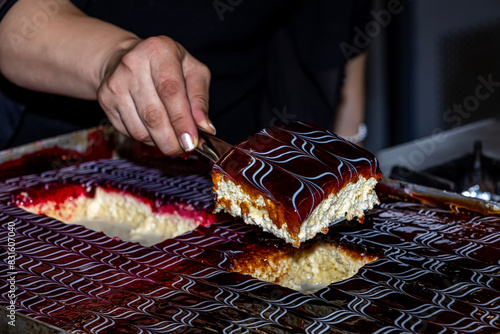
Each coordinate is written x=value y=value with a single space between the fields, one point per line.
x=197 y=85
x=116 y=101
x=154 y=117
x=169 y=82
x=158 y=93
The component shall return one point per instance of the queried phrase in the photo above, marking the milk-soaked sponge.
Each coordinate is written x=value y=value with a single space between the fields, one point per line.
x=295 y=180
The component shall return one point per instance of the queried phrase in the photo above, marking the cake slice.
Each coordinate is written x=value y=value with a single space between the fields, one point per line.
x=295 y=181
x=124 y=199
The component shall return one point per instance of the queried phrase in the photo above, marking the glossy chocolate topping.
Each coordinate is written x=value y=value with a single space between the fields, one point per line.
x=438 y=272
x=296 y=166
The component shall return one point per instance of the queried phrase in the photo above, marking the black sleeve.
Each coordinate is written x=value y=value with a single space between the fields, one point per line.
x=81 y=4
x=5 y=6
x=361 y=15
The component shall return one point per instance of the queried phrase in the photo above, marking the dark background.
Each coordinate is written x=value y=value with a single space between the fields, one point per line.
x=426 y=60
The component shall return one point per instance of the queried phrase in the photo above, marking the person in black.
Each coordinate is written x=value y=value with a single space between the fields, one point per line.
x=252 y=64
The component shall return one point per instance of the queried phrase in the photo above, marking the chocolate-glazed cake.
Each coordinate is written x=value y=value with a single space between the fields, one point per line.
x=432 y=270
x=295 y=180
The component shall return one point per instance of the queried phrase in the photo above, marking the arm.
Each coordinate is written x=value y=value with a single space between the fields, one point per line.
x=152 y=90
x=351 y=109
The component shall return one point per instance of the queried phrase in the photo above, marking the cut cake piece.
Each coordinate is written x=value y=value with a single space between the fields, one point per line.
x=295 y=180
x=125 y=200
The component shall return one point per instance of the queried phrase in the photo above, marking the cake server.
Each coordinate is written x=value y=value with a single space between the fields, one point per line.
x=210 y=146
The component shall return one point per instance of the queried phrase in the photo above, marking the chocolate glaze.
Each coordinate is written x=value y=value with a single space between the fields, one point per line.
x=296 y=166
x=438 y=271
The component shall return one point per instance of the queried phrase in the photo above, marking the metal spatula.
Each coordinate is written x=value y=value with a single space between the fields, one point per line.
x=210 y=146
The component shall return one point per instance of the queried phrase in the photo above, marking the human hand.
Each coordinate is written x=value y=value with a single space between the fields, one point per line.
x=156 y=92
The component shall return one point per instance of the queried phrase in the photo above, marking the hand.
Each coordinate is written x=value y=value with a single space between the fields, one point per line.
x=156 y=92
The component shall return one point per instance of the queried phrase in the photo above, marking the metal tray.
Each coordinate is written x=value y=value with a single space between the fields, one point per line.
x=80 y=142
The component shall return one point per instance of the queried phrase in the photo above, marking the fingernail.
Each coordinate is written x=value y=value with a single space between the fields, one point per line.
x=210 y=124
x=187 y=142
x=207 y=126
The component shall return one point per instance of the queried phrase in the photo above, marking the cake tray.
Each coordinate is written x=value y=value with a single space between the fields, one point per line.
x=61 y=151
x=438 y=272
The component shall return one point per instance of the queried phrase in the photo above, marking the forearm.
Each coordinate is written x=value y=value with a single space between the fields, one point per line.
x=58 y=49
x=351 y=109
x=152 y=90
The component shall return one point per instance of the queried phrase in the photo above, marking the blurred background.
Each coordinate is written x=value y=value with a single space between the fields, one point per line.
x=434 y=95
x=427 y=59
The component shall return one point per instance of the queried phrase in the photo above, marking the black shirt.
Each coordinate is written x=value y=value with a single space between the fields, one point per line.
x=271 y=61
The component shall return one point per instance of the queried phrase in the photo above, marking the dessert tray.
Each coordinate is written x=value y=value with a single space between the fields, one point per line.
x=435 y=267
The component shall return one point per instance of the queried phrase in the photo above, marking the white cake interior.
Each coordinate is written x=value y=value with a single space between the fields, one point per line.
x=306 y=269
x=117 y=215
x=350 y=202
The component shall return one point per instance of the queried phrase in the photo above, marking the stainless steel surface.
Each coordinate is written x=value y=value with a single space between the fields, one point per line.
x=481 y=186
x=78 y=141
x=442 y=147
x=439 y=198
x=25 y=325
x=210 y=146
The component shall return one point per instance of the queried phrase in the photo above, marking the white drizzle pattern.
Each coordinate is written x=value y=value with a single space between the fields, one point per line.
x=431 y=278
x=309 y=145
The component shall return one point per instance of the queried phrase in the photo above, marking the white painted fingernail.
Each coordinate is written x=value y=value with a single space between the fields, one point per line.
x=187 y=142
